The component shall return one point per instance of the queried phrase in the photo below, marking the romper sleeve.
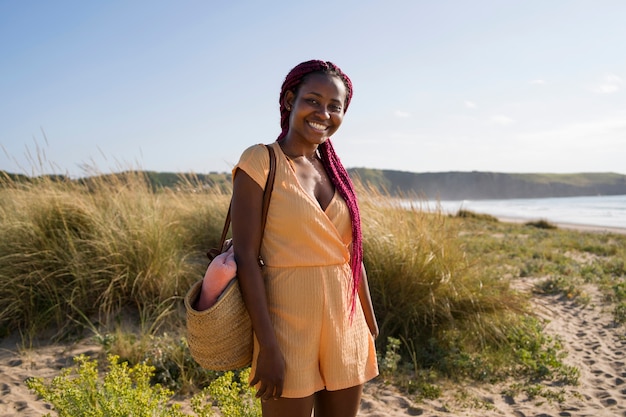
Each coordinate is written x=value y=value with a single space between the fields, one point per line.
x=255 y=162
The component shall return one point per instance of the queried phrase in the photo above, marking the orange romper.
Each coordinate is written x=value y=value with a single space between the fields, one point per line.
x=308 y=280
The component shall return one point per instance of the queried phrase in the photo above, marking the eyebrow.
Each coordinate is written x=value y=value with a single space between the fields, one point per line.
x=321 y=96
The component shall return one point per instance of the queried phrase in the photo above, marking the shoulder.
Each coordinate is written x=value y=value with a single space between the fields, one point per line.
x=254 y=152
x=254 y=161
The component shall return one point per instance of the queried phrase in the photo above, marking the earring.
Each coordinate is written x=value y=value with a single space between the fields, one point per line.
x=288 y=108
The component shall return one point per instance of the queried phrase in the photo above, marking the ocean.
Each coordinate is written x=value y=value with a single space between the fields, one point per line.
x=605 y=211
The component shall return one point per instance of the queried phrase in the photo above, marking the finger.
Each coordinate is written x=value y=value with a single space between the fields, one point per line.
x=268 y=394
x=279 y=391
x=260 y=392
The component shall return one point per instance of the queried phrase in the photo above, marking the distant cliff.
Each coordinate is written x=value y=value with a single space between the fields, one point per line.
x=491 y=185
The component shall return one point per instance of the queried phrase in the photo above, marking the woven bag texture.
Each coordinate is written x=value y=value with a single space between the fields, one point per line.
x=219 y=338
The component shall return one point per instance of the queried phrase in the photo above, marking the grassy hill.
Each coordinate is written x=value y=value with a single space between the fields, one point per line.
x=221 y=181
x=432 y=185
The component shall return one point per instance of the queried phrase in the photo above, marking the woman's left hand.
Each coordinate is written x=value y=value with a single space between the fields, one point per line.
x=373 y=326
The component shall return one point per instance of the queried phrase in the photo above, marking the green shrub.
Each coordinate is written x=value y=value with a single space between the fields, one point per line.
x=168 y=354
x=467 y=214
x=619 y=313
x=541 y=224
x=427 y=391
x=235 y=398
x=562 y=285
x=389 y=363
x=126 y=391
x=540 y=356
x=123 y=392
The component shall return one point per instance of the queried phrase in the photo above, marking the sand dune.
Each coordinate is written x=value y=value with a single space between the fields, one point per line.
x=594 y=344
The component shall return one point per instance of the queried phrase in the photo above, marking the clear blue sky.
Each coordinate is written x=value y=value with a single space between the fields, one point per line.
x=181 y=86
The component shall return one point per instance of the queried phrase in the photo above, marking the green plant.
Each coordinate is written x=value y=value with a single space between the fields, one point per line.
x=233 y=398
x=168 y=354
x=127 y=391
x=534 y=391
x=123 y=392
x=467 y=400
x=389 y=363
x=467 y=214
x=427 y=391
x=619 y=313
x=562 y=285
x=540 y=356
x=541 y=224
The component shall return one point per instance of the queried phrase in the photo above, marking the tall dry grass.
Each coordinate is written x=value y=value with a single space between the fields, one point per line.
x=79 y=254
x=73 y=252
x=426 y=289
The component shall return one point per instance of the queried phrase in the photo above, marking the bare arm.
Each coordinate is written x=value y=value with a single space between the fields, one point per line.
x=246 y=220
x=366 y=303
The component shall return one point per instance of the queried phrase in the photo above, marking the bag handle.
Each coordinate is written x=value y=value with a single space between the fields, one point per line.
x=267 y=194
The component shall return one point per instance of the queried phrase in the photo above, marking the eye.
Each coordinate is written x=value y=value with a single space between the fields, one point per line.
x=335 y=108
x=311 y=101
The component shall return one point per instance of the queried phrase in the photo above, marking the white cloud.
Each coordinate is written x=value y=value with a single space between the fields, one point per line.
x=502 y=120
x=536 y=82
x=470 y=104
x=610 y=84
x=588 y=134
x=402 y=114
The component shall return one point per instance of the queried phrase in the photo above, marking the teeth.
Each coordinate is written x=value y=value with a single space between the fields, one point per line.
x=317 y=126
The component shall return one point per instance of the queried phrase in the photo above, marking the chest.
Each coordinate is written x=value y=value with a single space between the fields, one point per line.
x=314 y=180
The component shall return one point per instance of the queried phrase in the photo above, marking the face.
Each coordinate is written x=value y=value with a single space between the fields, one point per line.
x=317 y=108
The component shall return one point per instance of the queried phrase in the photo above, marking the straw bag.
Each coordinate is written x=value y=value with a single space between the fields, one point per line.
x=220 y=338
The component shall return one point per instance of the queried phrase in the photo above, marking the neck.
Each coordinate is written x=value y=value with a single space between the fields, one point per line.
x=294 y=151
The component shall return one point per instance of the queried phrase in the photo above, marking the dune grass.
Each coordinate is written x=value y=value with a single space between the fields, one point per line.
x=87 y=255
x=71 y=252
x=423 y=283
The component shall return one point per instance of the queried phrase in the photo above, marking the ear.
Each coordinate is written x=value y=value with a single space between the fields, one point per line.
x=288 y=99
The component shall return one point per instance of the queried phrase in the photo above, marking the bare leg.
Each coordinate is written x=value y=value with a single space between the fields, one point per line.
x=288 y=407
x=341 y=403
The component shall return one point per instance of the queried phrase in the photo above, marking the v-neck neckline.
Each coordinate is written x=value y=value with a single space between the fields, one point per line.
x=313 y=200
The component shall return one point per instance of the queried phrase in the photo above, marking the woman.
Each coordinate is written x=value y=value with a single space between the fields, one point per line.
x=310 y=306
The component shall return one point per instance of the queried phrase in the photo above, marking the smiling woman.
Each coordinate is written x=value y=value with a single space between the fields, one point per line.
x=310 y=307
x=316 y=112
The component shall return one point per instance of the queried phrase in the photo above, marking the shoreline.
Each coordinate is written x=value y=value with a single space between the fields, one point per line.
x=592 y=228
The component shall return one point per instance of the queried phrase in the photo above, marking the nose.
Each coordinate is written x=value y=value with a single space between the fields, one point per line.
x=323 y=113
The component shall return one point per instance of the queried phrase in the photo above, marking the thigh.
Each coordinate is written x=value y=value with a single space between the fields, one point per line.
x=288 y=407
x=340 y=403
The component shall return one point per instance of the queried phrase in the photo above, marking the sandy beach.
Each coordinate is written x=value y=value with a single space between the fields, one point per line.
x=594 y=343
x=571 y=226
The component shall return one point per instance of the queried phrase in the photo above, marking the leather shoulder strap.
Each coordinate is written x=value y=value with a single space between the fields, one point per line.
x=269 y=187
x=267 y=195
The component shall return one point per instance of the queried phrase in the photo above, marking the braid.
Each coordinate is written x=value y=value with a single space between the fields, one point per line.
x=336 y=171
x=342 y=182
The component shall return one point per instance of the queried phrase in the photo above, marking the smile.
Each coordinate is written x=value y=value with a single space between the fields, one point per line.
x=318 y=126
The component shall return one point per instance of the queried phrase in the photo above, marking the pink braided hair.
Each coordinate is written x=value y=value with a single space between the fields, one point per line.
x=335 y=169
